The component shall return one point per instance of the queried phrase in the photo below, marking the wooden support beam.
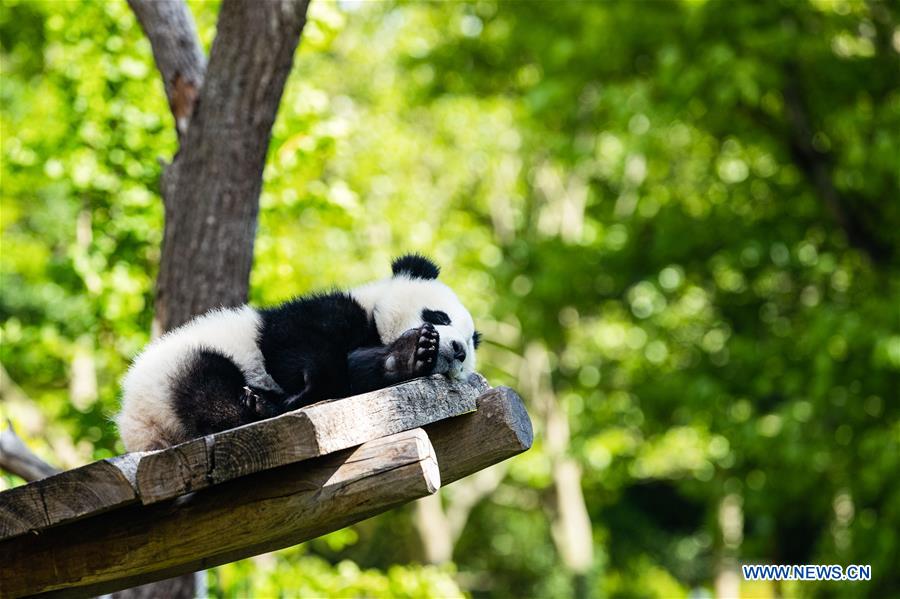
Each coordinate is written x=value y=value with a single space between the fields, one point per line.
x=306 y=433
x=310 y=432
x=259 y=513
x=499 y=430
x=264 y=511
x=91 y=489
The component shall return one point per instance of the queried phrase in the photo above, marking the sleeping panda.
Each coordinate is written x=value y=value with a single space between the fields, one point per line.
x=232 y=366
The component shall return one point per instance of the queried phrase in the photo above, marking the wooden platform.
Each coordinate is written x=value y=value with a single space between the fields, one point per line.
x=141 y=517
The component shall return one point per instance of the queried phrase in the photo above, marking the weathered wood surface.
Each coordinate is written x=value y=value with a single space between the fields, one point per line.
x=94 y=488
x=499 y=430
x=310 y=432
x=259 y=513
x=264 y=511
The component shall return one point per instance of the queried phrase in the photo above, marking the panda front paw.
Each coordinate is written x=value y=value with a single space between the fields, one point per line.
x=414 y=353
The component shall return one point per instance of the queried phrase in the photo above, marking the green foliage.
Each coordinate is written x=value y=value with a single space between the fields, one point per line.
x=292 y=573
x=628 y=185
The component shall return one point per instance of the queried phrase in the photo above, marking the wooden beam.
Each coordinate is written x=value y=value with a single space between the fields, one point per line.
x=260 y=513
x=306 y=433
x=313 y=431
x=264 y=511
x=91 y=489
x=499 y=430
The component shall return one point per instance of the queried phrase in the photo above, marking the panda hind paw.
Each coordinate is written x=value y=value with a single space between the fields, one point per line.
x=426 y=349
x=255 y=402
x=414 y=353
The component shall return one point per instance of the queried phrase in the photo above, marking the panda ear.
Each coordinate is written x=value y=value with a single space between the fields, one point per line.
x=415 y=266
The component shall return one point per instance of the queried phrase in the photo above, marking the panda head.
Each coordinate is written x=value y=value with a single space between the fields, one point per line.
x=413 y=295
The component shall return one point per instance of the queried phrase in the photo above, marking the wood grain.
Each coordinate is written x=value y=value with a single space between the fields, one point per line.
x=310 y=432
x=256 y=514
x=499 y=430
x=264 y=511
x=94 y=488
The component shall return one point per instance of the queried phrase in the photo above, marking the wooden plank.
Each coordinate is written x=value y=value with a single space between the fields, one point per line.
x=177 y=470
x=499 y=430
x=90 y=489
x=313 y=431
x=264 y=511
x=258 y=513
x=306 y=433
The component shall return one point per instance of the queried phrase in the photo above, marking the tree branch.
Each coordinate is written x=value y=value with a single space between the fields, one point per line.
x=570 y=524
x=439 y=528
x=173 y=37
x=16 y=458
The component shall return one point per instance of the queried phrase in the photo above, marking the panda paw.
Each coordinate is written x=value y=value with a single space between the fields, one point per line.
x=256 y=402
x=426 y=349
x=414 y=353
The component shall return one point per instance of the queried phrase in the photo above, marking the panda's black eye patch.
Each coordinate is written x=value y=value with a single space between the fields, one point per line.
x=476 y=339
x=435 y=317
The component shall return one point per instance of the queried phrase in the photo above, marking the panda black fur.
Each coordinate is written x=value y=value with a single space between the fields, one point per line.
x=233 y=366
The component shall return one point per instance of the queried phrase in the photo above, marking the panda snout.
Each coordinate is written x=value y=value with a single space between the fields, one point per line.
x=459 y=352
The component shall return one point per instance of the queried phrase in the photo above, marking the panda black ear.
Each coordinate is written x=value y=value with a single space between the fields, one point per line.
x=415 y=266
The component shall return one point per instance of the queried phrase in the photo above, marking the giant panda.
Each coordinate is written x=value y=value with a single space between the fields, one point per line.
x=232 y=366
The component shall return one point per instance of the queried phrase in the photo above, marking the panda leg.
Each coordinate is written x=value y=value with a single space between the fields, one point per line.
x=412 y=355
x=210 y=394
x=269 y=403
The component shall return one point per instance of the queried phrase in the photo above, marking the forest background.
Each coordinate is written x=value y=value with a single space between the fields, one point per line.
x=676 y=224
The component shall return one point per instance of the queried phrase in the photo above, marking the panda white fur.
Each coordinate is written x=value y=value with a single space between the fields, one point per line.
x=232 y=366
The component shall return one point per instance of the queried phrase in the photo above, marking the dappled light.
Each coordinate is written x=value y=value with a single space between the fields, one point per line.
x=674 y=223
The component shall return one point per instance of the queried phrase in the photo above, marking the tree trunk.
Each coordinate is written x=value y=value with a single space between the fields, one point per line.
x=211 y=189
x=570 y=521
x=440 y=527
x=727 y=583
x=223 y=115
